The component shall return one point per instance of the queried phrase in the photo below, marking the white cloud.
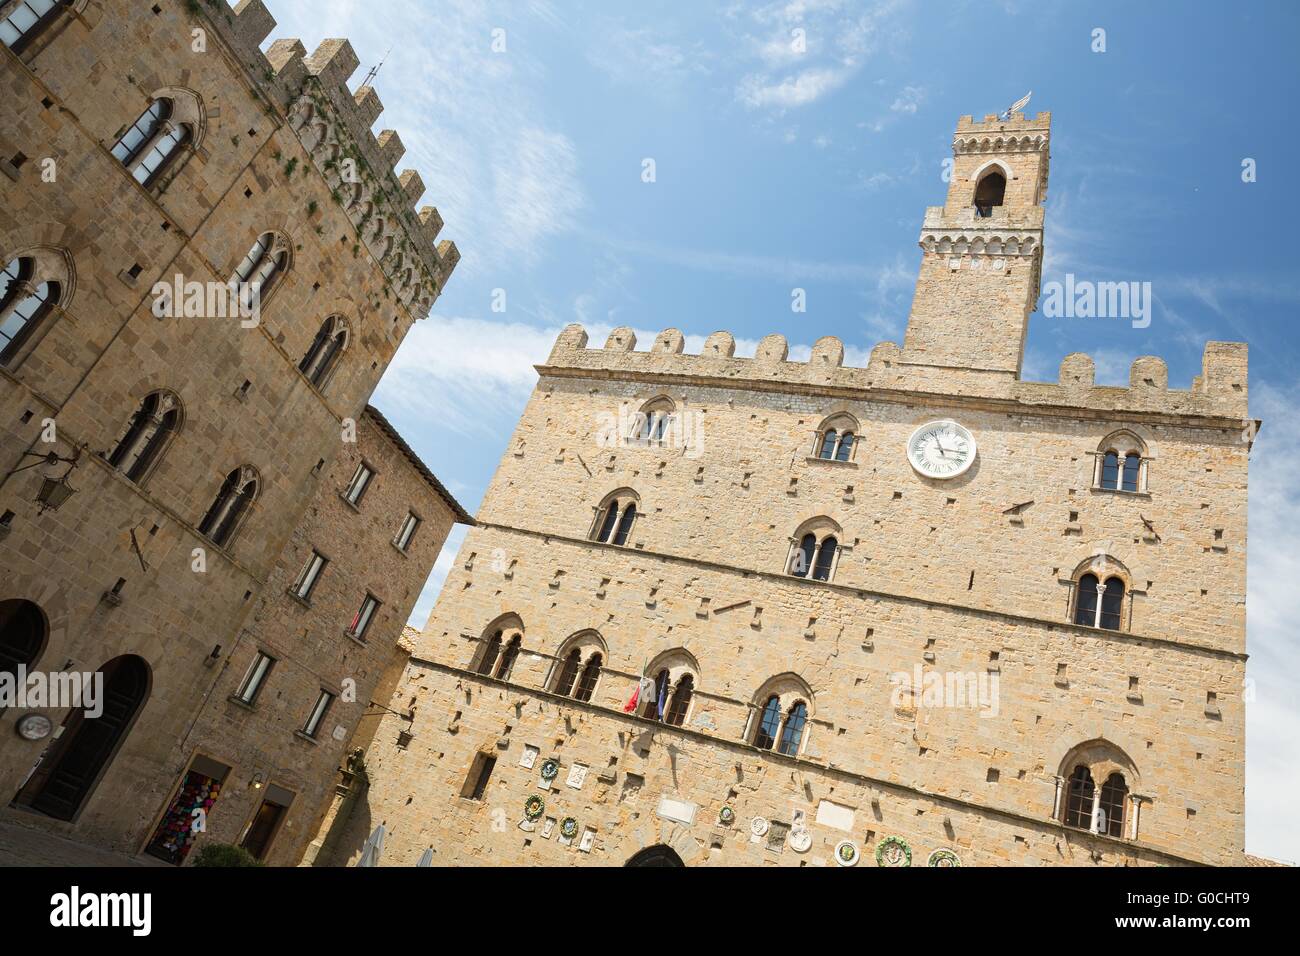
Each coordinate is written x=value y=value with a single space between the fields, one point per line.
x=472 y=120
x=1273 y=607
x=909 y=98
x=789 y=69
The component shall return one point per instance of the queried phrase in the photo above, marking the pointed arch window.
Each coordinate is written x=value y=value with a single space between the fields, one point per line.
x=508 y=657
x=152 y=426
x=989 y=193
x=681 y=701
x=615 y=518
x=568 y=672
x=825 y=559
x=652 y=425
x=488 y=659
x=152 y=143
x=259 y=272
x=769 y=724
x=587 y=682
x=792 y=731
x=1078 y=805
x=231 y=506
x=26 y=20
x=325 y=350
x=25 y=301
x=1114 y=795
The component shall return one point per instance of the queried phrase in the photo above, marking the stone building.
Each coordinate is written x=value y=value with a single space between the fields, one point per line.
x=209 y=262
x=922 y=612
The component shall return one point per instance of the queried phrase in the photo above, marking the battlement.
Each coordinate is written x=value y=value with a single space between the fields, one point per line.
x=333 y=123
x=1219 y=392
x=1016 y=121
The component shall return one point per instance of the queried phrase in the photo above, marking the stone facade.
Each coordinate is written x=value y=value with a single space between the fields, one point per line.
x=129 y=569
x=974 y=582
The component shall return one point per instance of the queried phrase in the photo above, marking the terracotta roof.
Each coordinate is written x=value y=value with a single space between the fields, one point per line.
x=387 y=428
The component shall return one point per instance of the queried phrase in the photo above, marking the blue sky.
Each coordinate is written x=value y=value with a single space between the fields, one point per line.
x=777 y=169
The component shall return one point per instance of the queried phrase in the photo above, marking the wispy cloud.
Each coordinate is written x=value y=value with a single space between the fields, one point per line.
x=802 y=50
x=472 y=119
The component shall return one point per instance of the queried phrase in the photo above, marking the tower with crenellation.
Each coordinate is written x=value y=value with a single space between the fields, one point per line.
x=744 y=610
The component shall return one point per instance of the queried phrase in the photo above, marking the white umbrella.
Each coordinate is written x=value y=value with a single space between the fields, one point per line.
x=426 y=858
x=372 y=848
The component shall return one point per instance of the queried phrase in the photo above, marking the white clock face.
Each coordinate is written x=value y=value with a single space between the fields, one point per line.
x=941 y=449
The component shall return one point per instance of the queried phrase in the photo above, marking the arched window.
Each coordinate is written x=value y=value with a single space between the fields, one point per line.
x=1099 y=605
x=989 y=193
x=488 y=659
x=26 y=298
x=825 y=559
x=260 y=270
x=836 y=437
x=23 y=634
x=780 y=721
x=814 y=550
x=325 y=349
x=769 y=724
x=1121 y=463
x=568 y=673
x=653 y=424
x=615 y=517
x=1108 y=809
x=153 y=142
x=590 y=675
x=508 y=657
x=577 y=665
x=152 y=426
x=792 y=732
x=25 y=20
x=1078 y=805
x=230 y=507
x=681 y=701
x=1111 y=805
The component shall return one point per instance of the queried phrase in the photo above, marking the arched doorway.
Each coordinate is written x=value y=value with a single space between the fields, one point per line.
x=67 y=775
x=659 y=855
x=23 y=631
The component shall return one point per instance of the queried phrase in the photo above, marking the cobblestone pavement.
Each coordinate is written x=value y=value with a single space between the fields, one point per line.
x=23 y=846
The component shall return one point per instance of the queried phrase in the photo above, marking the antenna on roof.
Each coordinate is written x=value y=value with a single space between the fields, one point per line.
x=374 y=70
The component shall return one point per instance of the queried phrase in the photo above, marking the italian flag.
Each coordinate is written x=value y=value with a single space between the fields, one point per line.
x=644 y=692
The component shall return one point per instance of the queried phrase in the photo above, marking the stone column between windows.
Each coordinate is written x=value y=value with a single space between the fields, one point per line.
x=1096 y=808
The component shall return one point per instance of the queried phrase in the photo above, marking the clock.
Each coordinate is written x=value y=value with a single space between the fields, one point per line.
x=941 y=449
x=34 y=727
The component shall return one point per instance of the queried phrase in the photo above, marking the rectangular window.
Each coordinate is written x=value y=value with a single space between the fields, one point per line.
x=408 y=531
x=255 y=677
x=318 y=713
x=360 y=482
x=306 y=582
x=366 y=614
x=480 y=772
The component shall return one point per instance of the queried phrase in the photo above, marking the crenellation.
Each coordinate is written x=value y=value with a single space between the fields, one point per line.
x=1215 y=396
x=253 y=22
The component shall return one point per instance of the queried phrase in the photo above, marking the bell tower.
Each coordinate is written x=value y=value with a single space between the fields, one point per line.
x=982 y=250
